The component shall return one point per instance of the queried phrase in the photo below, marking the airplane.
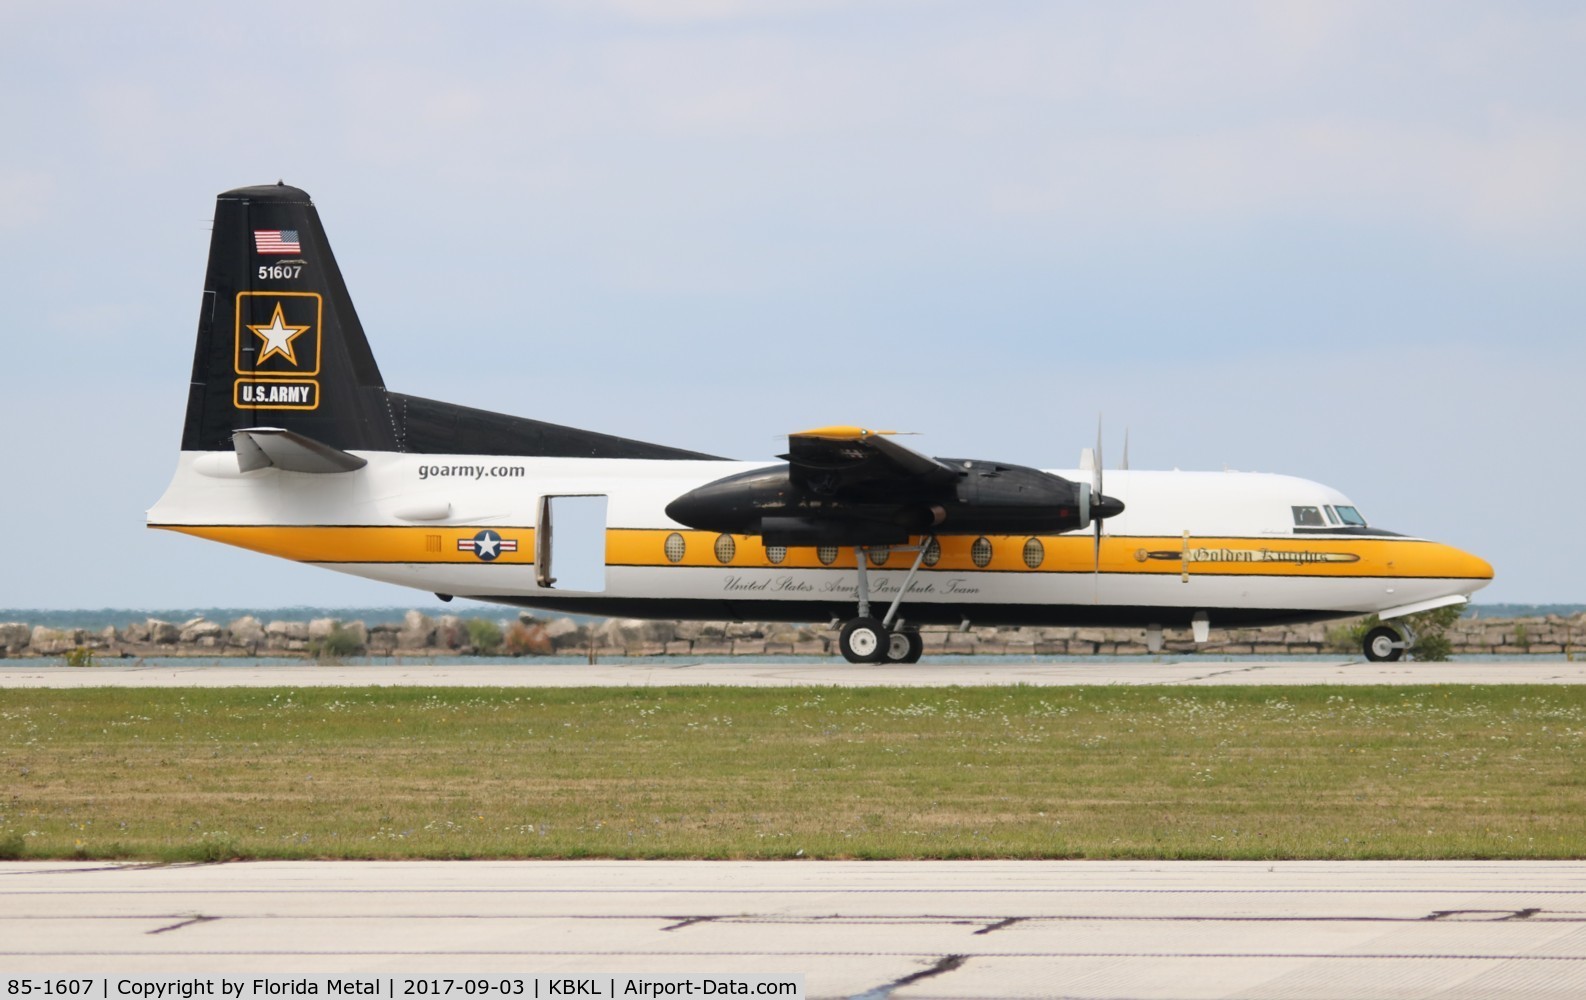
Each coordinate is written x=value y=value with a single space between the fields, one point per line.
x=293 y=446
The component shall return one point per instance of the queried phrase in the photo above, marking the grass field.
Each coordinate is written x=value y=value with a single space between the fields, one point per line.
x=1011 y=772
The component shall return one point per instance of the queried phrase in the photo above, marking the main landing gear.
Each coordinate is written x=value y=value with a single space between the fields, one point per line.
x=1387 y=643
x=865 y=639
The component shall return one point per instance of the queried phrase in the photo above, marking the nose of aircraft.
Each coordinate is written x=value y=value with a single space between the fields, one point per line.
x=1457 y=564
x=1474 y=566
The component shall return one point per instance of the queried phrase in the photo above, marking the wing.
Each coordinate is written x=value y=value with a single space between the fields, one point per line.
x=833 y=461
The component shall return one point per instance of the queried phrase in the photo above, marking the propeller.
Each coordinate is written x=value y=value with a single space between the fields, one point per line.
x=1096 y=497
x=1096 y=494
x=1094 y=505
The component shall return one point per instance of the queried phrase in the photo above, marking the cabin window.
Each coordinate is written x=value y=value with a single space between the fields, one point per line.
x=1034 y=552
x=827 y=554
x=1308 y=517
x=933 y=552
x=726 y=548
x=1332 y=515
x=1351 y=516
x=675 y=547
x=980 y=552
x=776 y=553
x=879 y=554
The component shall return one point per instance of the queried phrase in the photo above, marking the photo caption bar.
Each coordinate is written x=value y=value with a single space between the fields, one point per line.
x=529 y=987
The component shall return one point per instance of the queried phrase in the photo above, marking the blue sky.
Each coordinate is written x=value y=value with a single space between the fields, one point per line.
x=1339 y=240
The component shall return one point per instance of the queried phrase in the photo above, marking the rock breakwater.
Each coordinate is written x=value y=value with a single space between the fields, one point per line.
x=420 y=635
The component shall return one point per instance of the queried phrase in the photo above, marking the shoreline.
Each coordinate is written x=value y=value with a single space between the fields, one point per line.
x=419 y=636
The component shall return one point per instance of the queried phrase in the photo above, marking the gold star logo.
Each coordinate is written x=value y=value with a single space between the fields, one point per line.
x=277 y=337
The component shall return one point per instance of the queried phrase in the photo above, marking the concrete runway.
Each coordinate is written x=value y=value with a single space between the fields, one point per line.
x=528 y=673
x=1138 y=930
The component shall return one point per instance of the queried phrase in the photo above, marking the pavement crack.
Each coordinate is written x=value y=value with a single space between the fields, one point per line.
x=1483 y=915
x=190 y=921
x=999 y=925
x=1249 y=668
x=683 y=922
x=119 y=867
x=946 y=963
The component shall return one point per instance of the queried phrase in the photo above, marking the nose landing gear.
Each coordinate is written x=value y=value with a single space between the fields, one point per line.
x=1388 y=643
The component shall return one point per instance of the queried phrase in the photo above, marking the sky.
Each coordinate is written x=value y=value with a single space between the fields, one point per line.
x=1338 y=240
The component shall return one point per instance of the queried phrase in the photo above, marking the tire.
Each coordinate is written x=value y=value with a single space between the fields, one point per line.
x=1384 y=644
x=905 y=647
x=864 y=640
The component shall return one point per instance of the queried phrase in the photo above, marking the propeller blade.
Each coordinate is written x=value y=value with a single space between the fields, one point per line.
x=1097 y=467
x=1096 y=495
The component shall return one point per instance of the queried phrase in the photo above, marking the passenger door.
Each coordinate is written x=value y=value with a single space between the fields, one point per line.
x=570 y=543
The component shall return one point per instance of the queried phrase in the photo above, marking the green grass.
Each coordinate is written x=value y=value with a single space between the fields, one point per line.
x=1007 y=772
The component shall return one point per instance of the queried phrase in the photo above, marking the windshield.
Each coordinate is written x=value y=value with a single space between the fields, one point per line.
x=1351 y=516
x=1309 y=517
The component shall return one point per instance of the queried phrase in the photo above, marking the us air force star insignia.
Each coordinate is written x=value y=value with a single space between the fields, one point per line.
x=278 y=338
x=487 y=545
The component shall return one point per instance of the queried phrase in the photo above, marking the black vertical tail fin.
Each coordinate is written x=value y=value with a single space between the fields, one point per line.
x=279 y=344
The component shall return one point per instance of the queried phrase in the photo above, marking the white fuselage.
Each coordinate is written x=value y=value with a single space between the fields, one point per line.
x=1222 y=544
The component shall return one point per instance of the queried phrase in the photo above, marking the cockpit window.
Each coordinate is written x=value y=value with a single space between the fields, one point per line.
x=1308 y=517
x=1351 y=516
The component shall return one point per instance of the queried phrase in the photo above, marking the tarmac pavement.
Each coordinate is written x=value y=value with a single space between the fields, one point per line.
x=769 y=673
x=1138 y=930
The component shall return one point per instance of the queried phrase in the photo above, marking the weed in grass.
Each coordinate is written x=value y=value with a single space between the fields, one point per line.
x=12 y=846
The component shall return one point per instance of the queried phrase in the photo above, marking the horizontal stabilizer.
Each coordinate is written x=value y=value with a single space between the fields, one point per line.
x=274 y=447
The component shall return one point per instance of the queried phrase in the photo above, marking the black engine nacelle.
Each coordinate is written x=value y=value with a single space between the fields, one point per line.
x=789 y=508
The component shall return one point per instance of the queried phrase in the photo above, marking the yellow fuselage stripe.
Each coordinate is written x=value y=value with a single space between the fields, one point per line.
x=335 y=543
x=1318 y=556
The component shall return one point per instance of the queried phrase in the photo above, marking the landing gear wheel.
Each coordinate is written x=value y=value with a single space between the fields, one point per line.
x=905 y=647
x=864 y=640
x=1384 y=644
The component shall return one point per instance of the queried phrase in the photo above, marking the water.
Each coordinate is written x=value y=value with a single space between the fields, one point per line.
x=96 y=619
x=945 y=659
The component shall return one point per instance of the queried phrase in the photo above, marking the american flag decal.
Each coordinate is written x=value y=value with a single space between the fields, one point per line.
x=276 y=241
